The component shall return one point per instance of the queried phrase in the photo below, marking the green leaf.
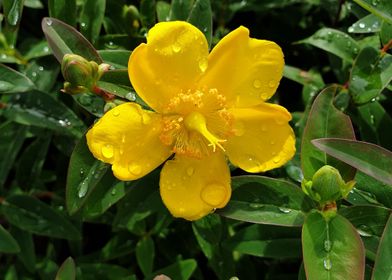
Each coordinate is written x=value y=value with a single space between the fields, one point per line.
x=64 y=39
x=118 y=90
x=13 y=11
x=147 y=13
x=32 y=160
x=34 y=216
x=103 y=271
x=43 y=72
x=371 y=73
x=380 y=8
x=34 y=4
x=84 y=173
x=366 y=157
x=40 y=109
x=181 y=270
x=107 y=192
x=91 y=18
x=92 y=103
x=27 y=250
x=180 y=9
x=266 y=241
x=374 y=124
x=386 y=32
x=67 y=270
x=382 y=265
x=370 y=222
x=208 y=232
x=325 y=121
x=264 y=200
x=145 y=254
x=12 y=137
x=8 y=244
x=368 y=24
x=335 y=42
x=64 y=10
x=332 y=249
x=118 y=59
x=39 y=49
x=163 y=11
x=201 y=17
x=12 y=81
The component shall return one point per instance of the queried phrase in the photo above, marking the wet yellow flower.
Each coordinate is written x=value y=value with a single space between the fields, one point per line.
x=206 y=107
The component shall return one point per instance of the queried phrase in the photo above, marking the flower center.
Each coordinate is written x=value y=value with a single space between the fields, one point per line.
x=196 y=122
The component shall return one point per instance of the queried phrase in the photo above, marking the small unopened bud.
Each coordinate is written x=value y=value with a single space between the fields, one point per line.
x=80 y=75
x=132 y=19
x=327 y=185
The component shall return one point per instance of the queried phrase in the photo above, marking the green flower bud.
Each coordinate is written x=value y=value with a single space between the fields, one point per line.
x=80 y=75
x=327 y=185
x=131 y=18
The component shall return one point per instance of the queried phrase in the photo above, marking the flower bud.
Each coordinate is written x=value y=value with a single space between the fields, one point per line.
x=327 y=185
x=80 y=75
x=132 y=19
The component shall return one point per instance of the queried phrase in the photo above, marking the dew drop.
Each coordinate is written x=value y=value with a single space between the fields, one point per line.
x=372 y=119
x=107 y=151
x=256 y=205
x=83 y=25
x=131 y=96
x=272 y=142
x=327 y=245
x=123 y=138
x=364 y=231
x=327 y=264
x=272 y=83
x=257 y=84
x=81 y=172
x=41 y=68
x=46 y=49
x=214 y=194
x=284 y=210
x=113 y=192
x=48 y=21
x=361 y=25
x=115 y=112
x=135 y=169
x=276 y=159
x=190 y=171
x=176 y=47
x=83 y=189
x=203 y=64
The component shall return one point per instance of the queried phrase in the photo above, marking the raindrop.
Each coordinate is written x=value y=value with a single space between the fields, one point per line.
x=135 y=169
x=327 y=245
x=276 y=159
x=114 y=191
x=111 y=45
x=375 y=2
x=46 y=49
x=257 y=84
x=48 y=21
x=256 y=205
x=203 y=64
x=5 y=86
x=41 y=68
x=361 y=25
x=364 y=231
x=3 y=56
x=83 y=189
x=327 y=264
x=115 y=112
x=83 y=25
x=284 y=210
x=372 y=119
x=107 y=151
x=64 y=123
x=34 y=74
x=190 y=171
x=81 y=173
x=131 y=96
x=123 y=139
x=272 y=83
x=176 y=47
x=214 y=194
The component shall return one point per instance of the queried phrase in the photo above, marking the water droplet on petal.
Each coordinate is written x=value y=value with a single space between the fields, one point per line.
x=203 y=64
x=107 y=151
x=284 y=210
x=190 y=171
x=214 y=194
x=257 y=84
x=263 y=128
x=327 y=264
x=272 y=83
x=276 y=159
x=48 y=21
x=123 y=139
x=135 y=169
x=176 y=47
x=115 y=112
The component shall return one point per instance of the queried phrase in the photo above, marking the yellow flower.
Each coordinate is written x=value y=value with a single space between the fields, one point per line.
x=205 y=106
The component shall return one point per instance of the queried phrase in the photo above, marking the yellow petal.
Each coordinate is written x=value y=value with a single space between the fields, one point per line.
x=263 y=139
x=191 y=188
x=172 y=60
x=128 y=138
x=246 y=70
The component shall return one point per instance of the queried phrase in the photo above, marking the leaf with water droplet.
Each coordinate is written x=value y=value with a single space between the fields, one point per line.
x=367 y=24
x=12 y=81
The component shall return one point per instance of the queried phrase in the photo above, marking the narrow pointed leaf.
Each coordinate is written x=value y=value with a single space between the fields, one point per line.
x=8 y=244
x=371 y=159
x=380 y=8
x=145 y=254
x=64 y=39
x=12 y=81
x=201 y=17
x=181 y=270
x=67 y=270
x=64 y=10
x=325 y=121
x=332 y=249
x=91 y=18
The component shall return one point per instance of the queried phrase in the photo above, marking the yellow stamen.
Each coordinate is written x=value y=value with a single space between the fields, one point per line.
x=196 y=121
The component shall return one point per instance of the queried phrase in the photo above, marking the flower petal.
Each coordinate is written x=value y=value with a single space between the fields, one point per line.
x=172 y=60
x=263 y=138
x=191 y=188
x=128 y=138
x=246 y=70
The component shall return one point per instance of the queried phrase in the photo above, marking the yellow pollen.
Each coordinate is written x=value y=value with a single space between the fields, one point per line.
x=196 y=121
